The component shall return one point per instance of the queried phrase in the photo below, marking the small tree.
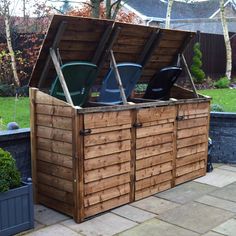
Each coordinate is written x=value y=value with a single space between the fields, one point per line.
x=5 y=13
x=196 y=67
x=168 y=13
x=226 y=39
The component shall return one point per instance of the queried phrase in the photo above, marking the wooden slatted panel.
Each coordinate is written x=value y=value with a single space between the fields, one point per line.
x=82 y=36
x=107 y=161
x=192 y=141
x=54 y=167
x=154 y=150
x=79 y=42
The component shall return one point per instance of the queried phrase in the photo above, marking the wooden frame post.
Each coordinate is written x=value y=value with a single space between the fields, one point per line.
x=189 y=76
x=33 y=136
x=118 y=79
x=60 y=76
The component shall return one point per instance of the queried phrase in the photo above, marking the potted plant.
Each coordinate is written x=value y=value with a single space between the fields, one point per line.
x=16 y=201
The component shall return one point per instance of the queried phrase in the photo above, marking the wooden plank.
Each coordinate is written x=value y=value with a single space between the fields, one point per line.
x=54 y=134
x=54 y=146
x=158 y=122
x=33 y=133
x=190 y=123
x=185 y=133
x=154 y=160
x=185 y=142
x=106 y=149
x=54 y=121
x=55 y=182
x=55 y=170
x=154 y=140
x=152 y=190
x=155 y=130
x=190 y=176
x=193 y=108
x=104 y=206
x=55 y=193
x=104 y=161
x=43 y=98
x=106 y=194
x=153 y=170
x=182 y=152
x=55 y=204
x=153 y=180
x=110 y=128
x=190 y=159
x=96 y=120
x=157 y=113
x=190 y=168
x=102 y=184
x=108 y=137
x=55 y=158
x=154 y=150
x=54 y=110
x=106 y=172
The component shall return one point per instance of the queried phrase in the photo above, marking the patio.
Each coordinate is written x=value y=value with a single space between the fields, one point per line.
x=205 y=206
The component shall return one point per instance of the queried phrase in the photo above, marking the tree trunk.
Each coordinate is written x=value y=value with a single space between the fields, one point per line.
x=168 y=13
x=108 y=9
x=95 y=8
x=227 y=41
x=10 y=48
x=117 y=8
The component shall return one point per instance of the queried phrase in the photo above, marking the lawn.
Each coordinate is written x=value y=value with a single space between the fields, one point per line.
x=18 y=110
x=14 y=110
x=224 y=97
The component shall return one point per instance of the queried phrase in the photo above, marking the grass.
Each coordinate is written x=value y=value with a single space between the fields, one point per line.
x=224 y=97
x=14 y=110
x=18 y=110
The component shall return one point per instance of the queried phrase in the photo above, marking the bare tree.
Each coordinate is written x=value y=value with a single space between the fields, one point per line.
x=227 y=40
x=5 y=13
x=112 y=8
x=168 y=13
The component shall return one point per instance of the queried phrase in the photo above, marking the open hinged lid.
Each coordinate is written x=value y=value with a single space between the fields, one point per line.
x=90 y=40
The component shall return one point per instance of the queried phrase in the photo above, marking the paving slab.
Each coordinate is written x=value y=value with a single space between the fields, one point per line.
x=227 y=228
x=228 y=167
x=47 y=216
x=155 y=205
x=216 y=165
x=218 y=202
x=211 y=233
x=106 y=225
x=155 y=227
x=218 y=178
x=186 y=192
x=57 y=230
x=196 y=217
x=228 y=192
x=133 y=213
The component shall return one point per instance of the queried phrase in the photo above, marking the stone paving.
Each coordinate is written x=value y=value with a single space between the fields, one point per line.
x=205 y=206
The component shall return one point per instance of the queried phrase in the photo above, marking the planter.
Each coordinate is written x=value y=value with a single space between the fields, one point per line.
x=16 y=210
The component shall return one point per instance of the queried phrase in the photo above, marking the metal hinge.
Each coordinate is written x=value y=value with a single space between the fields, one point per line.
x=85 y=132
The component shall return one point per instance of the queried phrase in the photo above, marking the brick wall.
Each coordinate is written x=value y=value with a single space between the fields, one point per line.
x=223 y=135
x=17 y=142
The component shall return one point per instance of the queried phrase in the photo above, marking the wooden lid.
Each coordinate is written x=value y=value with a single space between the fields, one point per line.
x=86 y=39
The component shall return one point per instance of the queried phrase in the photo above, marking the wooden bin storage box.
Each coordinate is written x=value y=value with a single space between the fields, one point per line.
x=86 y=161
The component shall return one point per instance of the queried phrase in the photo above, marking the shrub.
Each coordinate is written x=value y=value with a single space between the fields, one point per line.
x=222 y=83
x=9 y=175
x=217 y=107
x=196 y=70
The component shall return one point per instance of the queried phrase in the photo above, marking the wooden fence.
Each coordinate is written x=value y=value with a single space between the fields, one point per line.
x=213 y=53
